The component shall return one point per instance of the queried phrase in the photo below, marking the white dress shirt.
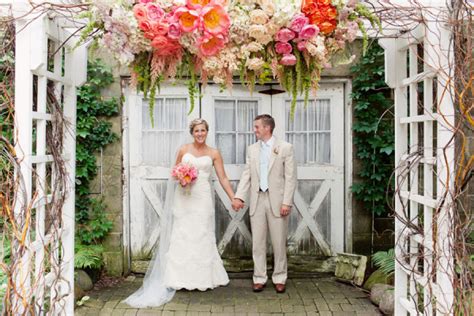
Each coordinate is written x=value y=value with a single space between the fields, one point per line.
x=265 y=153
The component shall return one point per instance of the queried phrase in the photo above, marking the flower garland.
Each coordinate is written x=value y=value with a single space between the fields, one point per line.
x=262 y=40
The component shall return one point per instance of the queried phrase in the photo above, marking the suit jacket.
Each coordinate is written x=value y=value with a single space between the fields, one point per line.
x=281 y=176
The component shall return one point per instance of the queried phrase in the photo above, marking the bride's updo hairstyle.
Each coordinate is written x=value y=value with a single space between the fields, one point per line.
x=196 y=122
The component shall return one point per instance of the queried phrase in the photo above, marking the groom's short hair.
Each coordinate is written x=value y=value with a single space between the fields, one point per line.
x=266 y=120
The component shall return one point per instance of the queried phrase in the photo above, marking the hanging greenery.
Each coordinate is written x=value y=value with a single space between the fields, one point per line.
x=373 y=131
x=93 y=133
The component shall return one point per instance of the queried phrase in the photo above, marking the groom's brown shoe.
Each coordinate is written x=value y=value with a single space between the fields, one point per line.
x=280 y=288
x=258 y=287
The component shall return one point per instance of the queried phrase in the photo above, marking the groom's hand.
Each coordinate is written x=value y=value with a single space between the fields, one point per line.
x=285 y=210
x=237 y=204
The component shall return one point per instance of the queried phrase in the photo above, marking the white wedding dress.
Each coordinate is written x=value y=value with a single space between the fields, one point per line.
x=193 y=261
x=187 y=256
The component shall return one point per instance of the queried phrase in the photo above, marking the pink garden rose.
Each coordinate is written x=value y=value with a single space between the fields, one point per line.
x=154 y=12
x=288 y=60
x=145 y=1
x=301 y=46
x=285 y=35
x=160 y=28
x=308 y=31
x=164 y=46
x=283 y=48
x=298 y=22
x=145 y=25
x=174 y=31
x=139 y=11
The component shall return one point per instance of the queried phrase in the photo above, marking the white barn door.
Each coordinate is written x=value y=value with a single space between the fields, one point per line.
x=317 y=132
x=150 y=151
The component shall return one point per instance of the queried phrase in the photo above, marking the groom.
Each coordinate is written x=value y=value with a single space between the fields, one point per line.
x=270 y=178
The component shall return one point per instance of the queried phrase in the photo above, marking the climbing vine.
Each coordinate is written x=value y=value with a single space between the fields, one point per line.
x=373 y=131
x=93 y=133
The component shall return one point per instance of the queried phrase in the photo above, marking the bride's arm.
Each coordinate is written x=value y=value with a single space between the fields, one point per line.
x=220 y=171
x=180 y=154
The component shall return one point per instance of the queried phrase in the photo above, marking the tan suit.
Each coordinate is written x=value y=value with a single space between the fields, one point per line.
x=264 y=208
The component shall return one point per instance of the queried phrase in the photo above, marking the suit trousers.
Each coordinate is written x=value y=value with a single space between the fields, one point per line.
x=262 y=221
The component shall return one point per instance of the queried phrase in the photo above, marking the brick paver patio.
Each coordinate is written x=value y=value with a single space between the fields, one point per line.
x=306 y=296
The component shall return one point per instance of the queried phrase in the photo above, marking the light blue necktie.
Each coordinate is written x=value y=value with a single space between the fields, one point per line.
x=264 y=160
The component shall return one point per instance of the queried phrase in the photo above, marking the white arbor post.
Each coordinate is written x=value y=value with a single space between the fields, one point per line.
x=418 y=68
x=47 y=73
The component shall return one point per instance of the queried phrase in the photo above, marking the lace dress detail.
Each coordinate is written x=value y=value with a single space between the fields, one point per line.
x=193 y=261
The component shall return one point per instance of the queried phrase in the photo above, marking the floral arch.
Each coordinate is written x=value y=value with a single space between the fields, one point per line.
x=216 y=40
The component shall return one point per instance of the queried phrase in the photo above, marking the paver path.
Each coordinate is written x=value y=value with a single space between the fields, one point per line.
x=309 y=296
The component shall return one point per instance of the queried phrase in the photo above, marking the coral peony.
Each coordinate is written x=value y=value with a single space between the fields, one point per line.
x=187 y=19
x=215 y=19
x=211 y=44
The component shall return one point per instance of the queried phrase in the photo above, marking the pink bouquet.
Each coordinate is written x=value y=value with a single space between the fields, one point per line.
x=184 y=173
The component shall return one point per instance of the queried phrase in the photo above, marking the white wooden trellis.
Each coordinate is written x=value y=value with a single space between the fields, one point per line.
x=38 y=275
x=418 y=62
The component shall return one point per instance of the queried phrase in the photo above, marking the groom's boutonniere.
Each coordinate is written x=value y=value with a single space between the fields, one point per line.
x=276 y=150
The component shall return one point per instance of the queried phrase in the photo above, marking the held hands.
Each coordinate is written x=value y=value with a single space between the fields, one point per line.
x=237 y=204
x=285 y=210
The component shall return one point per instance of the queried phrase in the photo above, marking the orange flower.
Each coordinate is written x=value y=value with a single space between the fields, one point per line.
x=188 y=19
x=327 y=27
x=215 y=19
x=211 y=44
x=194 y=4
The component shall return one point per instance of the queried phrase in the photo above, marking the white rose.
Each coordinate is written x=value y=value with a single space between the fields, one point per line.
x=257 y=31
x=255 y=64
x=254 y=47
x=268 y=7
x=258 y=17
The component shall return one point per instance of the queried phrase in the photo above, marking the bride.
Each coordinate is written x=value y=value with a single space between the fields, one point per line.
x=187 y=256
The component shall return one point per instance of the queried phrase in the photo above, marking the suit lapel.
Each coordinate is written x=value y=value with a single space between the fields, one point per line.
x=276 y=143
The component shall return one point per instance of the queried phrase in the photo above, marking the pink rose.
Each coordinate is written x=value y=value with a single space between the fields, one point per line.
x=283 y=48
x=145 y=25
x=139 y=11
x=285 y=35
x=288 y=60
x=150 y=35
x=298 y=22
x=301 y=46
x=159 y=41
x=160 y=28
x=145 y=1
x=308 y=31
x=155 y=12
x=174 y=31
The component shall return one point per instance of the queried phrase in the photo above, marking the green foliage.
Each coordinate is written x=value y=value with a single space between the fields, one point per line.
x=88 y=256
x=373 y=131
x=93 y=133
x=385 y=261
